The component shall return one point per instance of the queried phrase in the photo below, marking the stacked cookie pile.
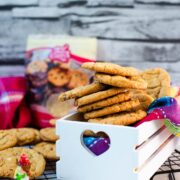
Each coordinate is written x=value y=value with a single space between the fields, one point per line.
x=11 y=142
x=119 y=95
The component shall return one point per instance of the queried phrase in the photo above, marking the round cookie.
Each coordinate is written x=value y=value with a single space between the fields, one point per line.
x=110 y=68
x=119 y=107
x=78 y=79
x=9 y=162
x=105 y=102
x=48 y=150
x=36 y=66
x=24 y=135
x=48 y=134
x=99 y=96
x=81 y=91
x=121 y=119
x=37 y=137
x=58 y=77
x=7 y=140
x=158 y=81
x=134 y=82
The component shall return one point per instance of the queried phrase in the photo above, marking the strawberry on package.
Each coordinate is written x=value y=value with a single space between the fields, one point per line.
x=50 y=71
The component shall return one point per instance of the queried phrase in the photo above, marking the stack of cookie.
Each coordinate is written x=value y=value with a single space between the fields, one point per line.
x=11 y=142
x=118 y=95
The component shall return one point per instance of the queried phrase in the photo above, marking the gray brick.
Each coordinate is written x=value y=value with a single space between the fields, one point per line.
x=138 y=51
x=158 y=1
x=59 y=2
x=36 y=12
x=55 y=12
x=159 y=24
x=18 y=2
x=110 y=3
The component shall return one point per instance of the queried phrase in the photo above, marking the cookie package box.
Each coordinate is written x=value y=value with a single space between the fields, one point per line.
x=135 y=153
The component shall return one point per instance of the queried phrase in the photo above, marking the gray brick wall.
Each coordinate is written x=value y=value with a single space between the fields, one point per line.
x=141 y=33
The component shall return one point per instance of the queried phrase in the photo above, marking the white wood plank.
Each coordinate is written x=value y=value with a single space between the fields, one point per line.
x=152 y=144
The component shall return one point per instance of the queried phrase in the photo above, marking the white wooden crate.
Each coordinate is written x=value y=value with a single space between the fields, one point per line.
x=135 y=153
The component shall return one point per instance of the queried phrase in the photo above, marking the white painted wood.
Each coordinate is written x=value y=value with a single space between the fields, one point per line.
x=152 y=144
x=151 y=128
x=77 y=163
x=157 y=160
x=119 y=161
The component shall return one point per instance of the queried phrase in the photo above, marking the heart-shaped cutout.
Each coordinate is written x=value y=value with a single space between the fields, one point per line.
x=95 y=143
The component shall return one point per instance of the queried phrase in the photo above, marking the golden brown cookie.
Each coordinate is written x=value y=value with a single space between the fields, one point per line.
x=106 y=102
x=81 y=91
x=57 y=108
x=124 y=106
x=110 y=68
x=143 y=97
x=48 y=134
x=134 y=82
x=36 y=66
x=99 y=96
x=78 y=79
x=24 y=135
x=48 y=150
x=9 y=162
x=121 y=118
x=154 y=92
x=58 y=76
x=158 y=81
x=37 y=138
x=7 y=140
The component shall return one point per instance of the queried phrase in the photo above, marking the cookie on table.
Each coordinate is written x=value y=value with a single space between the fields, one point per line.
x=37 y=137
x=48 y=150
x=120 y=107
x=48 y=134
x=24 y=135
x=106 y=102
x=7 y=140
x=125 y=118
x=81 y=91
x=158 y=81
x=78 y=79
x=134 y=82
x=9 y=161
x=99 y=96
x=110 y=68
x=58 y=76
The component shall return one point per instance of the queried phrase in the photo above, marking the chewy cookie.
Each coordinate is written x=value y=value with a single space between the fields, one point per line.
x=120 y=119
x=7 y=139
x=110 y=68
x=48 y=150
x=134 y=82
x=158 y=81
x=48 y=134
x=81 y=91
x=9 y=162
x=78 y=79
x=99 y=96
x=58 y=76
x=106 y=102
x=24 y=135
x=124 y=106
